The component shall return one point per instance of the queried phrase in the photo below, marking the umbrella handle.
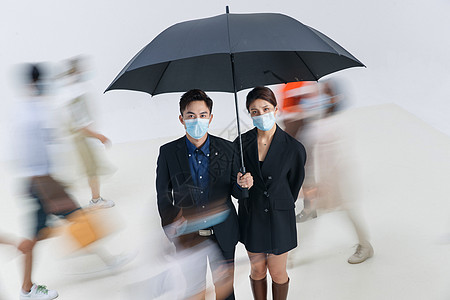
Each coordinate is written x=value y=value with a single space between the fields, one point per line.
x=244 y=191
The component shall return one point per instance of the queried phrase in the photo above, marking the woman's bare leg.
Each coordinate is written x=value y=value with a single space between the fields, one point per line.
x=277 y=267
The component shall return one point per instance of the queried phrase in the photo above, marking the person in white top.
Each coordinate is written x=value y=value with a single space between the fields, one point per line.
x=32 y=139
x=78 y=124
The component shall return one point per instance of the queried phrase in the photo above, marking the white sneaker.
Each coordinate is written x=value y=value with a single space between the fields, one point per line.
x=39 y=292
x=101 y=203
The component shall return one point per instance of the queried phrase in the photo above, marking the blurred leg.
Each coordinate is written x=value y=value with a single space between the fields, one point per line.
x=95 y=187
x=364 y=249
x=28 y=267
x=223 y=275
x=358 y=225
x=193 y=264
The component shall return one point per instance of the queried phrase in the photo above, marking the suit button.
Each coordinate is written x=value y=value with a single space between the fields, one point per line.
x=266 y=210
x=266 y=194
x=270 y=177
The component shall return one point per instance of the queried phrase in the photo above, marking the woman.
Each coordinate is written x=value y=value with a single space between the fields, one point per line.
x=275 y=172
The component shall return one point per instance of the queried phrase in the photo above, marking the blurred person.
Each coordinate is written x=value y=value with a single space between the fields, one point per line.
x=78 y=124
x=336 y=181
x=291 y=110
x=32 y=149
x=193 y=184
x=275 y=172
x=301 y=107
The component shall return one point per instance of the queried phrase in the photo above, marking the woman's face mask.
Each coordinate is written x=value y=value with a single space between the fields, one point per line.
x=264 y=122
x=197 y=128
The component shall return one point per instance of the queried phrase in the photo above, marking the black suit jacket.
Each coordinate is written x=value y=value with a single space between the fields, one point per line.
x=267 y=217
x=174 y=186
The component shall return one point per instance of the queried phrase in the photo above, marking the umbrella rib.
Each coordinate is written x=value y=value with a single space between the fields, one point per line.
x=321 y=38
x=160 y=77
x=310 y=71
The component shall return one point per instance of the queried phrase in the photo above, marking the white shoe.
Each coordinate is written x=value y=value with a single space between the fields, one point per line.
x=101 y=203
x=304 y=216
x=39 y=292
x=362 y=253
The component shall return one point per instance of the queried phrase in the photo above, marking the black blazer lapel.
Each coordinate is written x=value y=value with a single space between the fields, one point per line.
x=277 y=148
x=251 y=152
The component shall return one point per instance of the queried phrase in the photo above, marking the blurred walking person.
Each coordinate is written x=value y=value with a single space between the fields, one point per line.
x=78 y=123
x=337 y=182
x=302 y=106
x=275 y=172
x=32 y=142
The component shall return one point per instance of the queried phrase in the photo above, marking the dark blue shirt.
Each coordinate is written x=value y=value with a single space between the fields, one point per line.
x=199 y=165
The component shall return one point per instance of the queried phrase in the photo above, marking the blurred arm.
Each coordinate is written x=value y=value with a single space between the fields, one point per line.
x=91 y=133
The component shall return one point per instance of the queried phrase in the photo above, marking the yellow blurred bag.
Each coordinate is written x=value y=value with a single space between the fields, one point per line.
x=84 y=229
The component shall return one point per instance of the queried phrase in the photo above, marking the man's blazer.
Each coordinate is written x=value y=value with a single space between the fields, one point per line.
x=175 y=187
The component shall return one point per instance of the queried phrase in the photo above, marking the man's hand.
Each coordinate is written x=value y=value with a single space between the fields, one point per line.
x=245 y=181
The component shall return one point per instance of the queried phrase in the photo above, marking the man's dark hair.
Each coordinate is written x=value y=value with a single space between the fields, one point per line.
x=261 y=92
x=194 y=95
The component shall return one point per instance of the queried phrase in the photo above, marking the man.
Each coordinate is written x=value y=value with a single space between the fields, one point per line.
x=193 y=183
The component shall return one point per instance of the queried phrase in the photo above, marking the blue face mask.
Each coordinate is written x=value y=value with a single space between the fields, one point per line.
x=197 y=128
x=264 y=122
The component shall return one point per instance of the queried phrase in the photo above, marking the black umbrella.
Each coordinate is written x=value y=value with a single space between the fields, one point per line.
x=232 y=52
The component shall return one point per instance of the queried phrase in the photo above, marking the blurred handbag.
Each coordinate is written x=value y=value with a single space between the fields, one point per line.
x=52 y=195
x=83 y=228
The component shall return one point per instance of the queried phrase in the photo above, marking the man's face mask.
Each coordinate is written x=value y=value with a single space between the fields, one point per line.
x=197 y=128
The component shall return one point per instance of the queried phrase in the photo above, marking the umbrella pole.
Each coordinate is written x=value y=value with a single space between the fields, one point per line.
x=241 y=152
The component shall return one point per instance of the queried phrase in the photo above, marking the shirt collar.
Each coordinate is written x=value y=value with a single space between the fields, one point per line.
x=191 y=148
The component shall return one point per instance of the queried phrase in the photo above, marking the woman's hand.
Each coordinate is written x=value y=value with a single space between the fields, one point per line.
x=245 y=181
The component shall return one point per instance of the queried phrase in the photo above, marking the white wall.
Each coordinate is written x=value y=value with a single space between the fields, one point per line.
x=404 y=44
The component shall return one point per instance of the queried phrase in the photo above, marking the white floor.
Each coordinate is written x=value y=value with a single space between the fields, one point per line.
x=404 y=167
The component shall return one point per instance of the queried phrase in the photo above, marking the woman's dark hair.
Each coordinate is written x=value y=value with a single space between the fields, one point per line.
x=195 y=95
x=260 y=92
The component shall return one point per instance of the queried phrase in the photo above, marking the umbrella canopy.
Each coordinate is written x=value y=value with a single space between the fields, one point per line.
x=263 y=49
x=232 y=52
